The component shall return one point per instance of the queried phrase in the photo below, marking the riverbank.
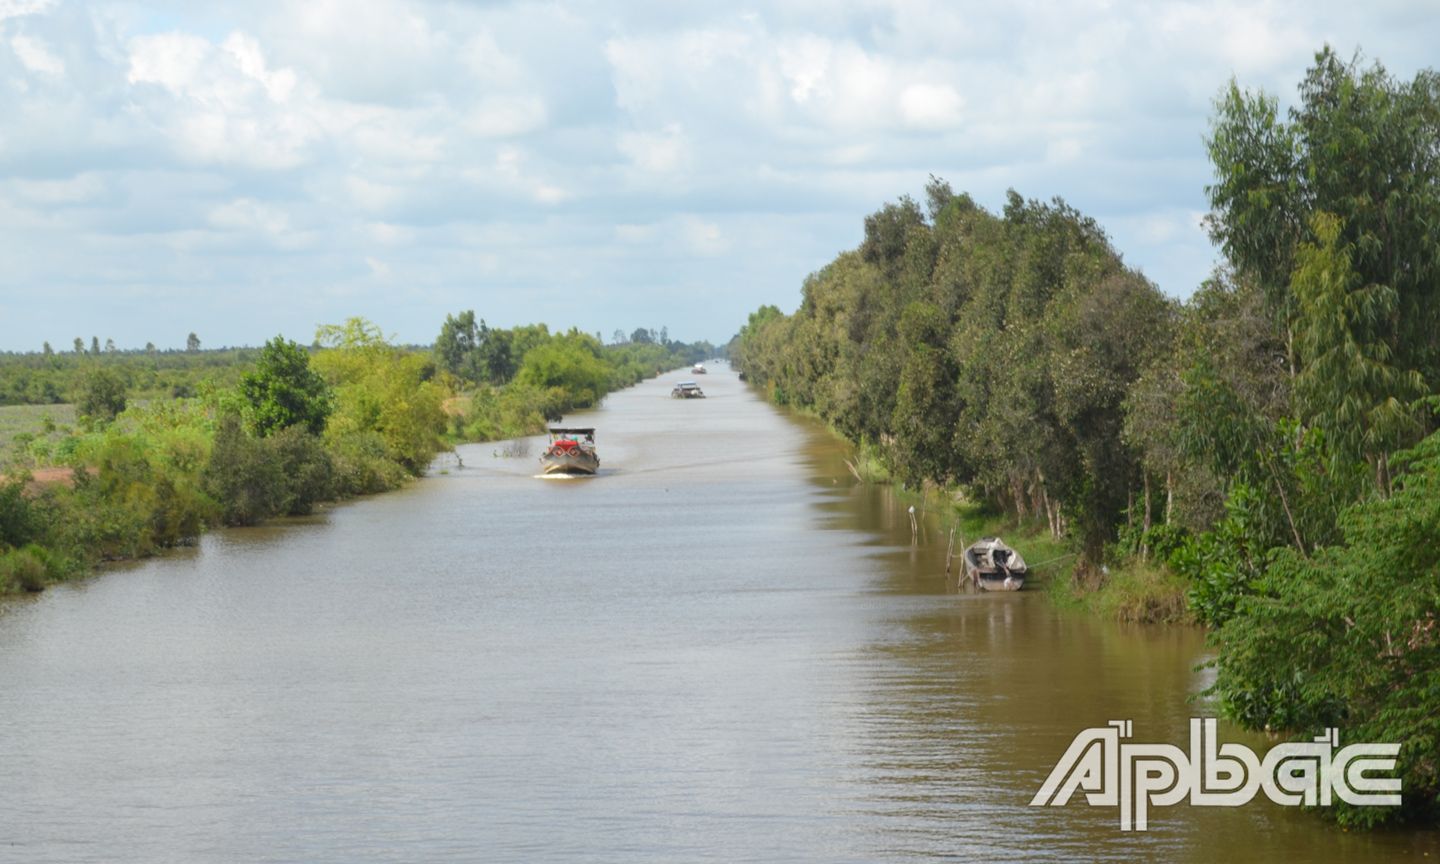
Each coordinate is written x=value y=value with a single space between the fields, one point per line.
x=1130 y=590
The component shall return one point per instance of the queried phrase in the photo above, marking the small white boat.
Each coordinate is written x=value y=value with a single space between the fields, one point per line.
x=687 y=390
x=571 y=451
x=994 y=566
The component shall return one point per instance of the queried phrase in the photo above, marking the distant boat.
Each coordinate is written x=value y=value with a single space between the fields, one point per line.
x=994 y=566
x=571 y=451
x=698 y=370
x=687 y=390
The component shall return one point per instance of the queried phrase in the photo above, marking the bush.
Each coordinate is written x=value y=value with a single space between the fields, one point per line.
x=245 y=476
x=363 y=465
x=22 y=570
x=101 y=396
x=19 y=523
x=308 y=469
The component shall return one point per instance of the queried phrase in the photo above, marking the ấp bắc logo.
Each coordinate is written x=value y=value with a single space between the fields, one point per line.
x=1137 y=777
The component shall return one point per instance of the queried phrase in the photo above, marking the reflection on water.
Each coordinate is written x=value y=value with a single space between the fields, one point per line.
x=722 y=649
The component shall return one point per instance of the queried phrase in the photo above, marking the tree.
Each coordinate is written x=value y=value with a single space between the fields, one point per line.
x=192 y=343
x=495 y=358
x=95 y=345
x=1364 y=148
x=101 y=396
x=458 y=346
x=79 y=345
x=1348 y=384
x=570 y=363
x=284 y=391
x=641 y=336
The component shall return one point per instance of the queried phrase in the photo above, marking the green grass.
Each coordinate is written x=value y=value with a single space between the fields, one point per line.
x=1134 y=592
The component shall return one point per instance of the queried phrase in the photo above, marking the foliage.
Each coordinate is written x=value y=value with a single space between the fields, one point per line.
x=993 y=352
x=101 y=395
x=570 y=363
x=284 y=391
x=384 y=390
x=1332 y=215
x=26 y=569
x=19 y=523
x=549 y=375
x=1351 y=631
x=47 y=379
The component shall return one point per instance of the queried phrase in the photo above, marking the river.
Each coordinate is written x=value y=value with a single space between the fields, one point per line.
x=721 y=649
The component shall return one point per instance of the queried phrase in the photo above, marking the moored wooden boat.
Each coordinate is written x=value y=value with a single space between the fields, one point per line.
x=571 y=451
x=994 y=566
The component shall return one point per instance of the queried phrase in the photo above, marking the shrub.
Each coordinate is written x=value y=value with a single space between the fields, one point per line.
x=22 y=570
x=245 y=476
x=308 y=469
x=101 y=395
x=363 y=465
x=19 y=523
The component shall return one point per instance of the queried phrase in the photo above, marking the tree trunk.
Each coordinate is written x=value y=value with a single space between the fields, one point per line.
x=1145 y=546
x=1169 y=497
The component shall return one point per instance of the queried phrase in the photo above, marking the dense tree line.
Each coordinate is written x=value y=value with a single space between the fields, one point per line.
x=989 y=351
x=1272 y=439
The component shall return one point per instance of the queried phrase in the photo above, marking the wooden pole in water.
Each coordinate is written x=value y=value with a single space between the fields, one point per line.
x=963 y=569
x=950 y=550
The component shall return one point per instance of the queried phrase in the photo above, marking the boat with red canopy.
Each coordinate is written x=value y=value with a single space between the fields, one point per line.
x=571 y=451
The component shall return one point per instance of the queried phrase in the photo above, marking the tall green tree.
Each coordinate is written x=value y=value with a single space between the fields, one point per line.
x=284 y=391
x=1364 y=148
x=458 y=346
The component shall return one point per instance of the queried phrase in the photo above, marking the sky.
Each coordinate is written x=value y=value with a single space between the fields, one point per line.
x=246 y=169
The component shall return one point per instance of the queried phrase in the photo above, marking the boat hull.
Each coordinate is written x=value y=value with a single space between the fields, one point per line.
x=576 y=463
x=1000 y=581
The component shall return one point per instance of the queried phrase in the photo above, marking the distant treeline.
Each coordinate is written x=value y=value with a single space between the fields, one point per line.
x=276 y=430
x=1271 y=440
x=510 y=382
x=49 y=377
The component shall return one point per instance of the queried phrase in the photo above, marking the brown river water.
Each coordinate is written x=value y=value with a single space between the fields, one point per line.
x=721 y=649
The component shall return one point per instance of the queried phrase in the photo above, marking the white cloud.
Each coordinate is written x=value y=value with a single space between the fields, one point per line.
x=656 y=152
x=72 y=191
x=931 y=106
x=246 y=215
x=222 y=104
x=502 y=116
x=704 y=238
x=36 y=56
x=16 y=8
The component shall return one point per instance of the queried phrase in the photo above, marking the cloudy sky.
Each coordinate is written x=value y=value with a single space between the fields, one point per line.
x=244 y=168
